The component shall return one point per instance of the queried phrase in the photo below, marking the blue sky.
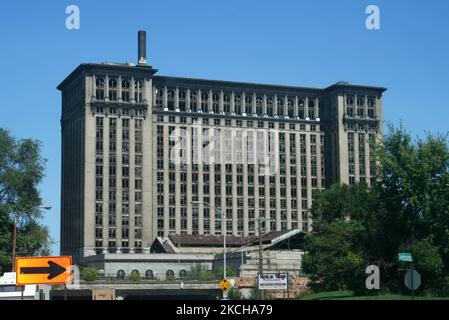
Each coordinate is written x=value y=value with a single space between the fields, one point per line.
x=313 y=43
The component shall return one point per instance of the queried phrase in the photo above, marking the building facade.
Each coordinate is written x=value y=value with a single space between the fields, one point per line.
x=145 y=155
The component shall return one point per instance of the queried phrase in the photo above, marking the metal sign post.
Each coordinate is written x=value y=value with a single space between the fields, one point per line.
x=412 y=279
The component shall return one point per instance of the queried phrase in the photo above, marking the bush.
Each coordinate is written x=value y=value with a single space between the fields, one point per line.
x=255 y=294
x=170 y=277
x=230 y=272
x=90 y=274
x=234 y=294
x=134 y=276
x=199 y=272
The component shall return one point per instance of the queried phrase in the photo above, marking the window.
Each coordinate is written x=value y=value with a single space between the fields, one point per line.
x=126 y=90
x=204 y=101
x=183 y=274
x=193 y=101
x=349 y=101
x=121 y=275
x=112 y=89
x=170 y=273
x=149 y=275
x=237 y=104
x=171 y=100
x=138 y=91
x=248 y=105
x=99 y=88
x=182 y=100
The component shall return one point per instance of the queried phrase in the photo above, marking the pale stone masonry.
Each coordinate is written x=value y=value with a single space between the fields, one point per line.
x=138 y=148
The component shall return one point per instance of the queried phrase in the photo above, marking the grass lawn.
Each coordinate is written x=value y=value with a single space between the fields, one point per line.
x=348 y=295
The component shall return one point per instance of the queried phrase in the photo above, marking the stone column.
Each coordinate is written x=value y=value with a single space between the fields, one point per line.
x=132 y=90
x=296 y=108
x=306 y=108
x=119 y=89
x=264 y=106
x=275 y=106
x=106 y=88
x=243 y=104
x=188 y=108
x=176 y=99
x=165 y=98
x=93 y=87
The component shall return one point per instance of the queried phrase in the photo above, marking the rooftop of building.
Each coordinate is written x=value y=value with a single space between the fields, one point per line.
x=148 y=71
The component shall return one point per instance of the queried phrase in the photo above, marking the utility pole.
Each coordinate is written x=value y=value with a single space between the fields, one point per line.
x=14 y=236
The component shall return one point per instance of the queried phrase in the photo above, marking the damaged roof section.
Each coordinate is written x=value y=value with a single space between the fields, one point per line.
x=178 y=243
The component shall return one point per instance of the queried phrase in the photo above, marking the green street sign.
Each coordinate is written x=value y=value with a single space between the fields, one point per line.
x=405 y=257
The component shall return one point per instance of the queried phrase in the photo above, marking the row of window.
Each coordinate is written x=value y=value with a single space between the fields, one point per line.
x=370 y=102
x=149 y=274
x=117 y=90
x=237 y=123
x=290 y=107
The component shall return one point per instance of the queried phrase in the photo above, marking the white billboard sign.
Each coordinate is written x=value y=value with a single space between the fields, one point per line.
x=273 y=281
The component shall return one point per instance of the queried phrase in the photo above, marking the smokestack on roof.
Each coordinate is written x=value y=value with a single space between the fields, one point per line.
x=142 y=47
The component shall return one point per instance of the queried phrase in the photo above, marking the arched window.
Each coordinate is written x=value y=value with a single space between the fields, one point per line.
x=169 y=273
x=301 y=109
x=99 y=88
x=149 y=275
x=215 y=102
x=311 y=109
x=350 y=101
x=270 y=106
x=280 y=104
x=113 y=89
x=204 y=101
x=126 y=90
x=291 y=108
x=238 y=104
x=194 y=101
x=226 y=103
x=248 y=105
x=138 y=91
x=360 y=102
x=121 y=275
x=183 y=274
x=182 y=100
x=259 y=101
x=159 y=93
x=171 y=100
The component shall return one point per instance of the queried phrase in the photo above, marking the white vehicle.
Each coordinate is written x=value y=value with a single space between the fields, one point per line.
x=9 y=290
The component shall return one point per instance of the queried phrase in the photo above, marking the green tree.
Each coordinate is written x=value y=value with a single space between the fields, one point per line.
x=407 y=210
x=335 y=256
x=21 y=170
x=90 y=274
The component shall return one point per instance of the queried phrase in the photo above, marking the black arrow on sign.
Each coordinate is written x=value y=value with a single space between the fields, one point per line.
x=53 y=270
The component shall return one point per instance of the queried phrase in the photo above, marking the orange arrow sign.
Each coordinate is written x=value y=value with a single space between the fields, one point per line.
x=43 y=270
